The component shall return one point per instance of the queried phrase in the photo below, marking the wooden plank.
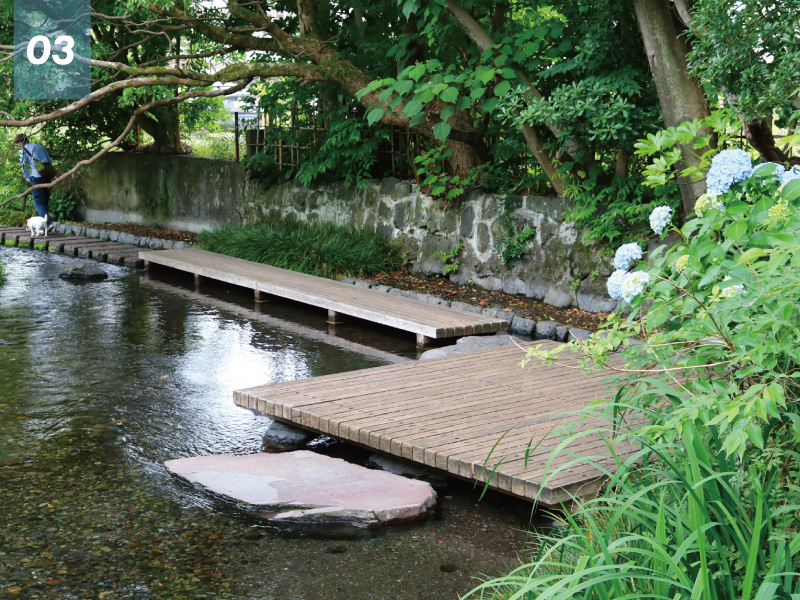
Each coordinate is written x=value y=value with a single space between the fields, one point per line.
x=426 y=320
x=451 y=413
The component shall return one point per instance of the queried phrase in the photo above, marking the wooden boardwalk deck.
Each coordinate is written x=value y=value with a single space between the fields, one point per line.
x=428 y=321
x=83 y=247
x=449 y=413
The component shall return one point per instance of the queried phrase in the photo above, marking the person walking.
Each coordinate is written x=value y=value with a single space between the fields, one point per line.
x=29 y=155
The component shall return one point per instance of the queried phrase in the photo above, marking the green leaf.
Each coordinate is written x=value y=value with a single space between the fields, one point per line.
x=403 y=86
x=755 y=435
x=417 y=71
x=485 y=75
x=412 y=108
x=490 y=104
x=477 y=93
x=750 y=255
x=737 y=207
x=410 y=7
x=447 y=112
x=418 y=119
x=791 y=191
x=502 y=88
x=449 y=95
x=736 y=230
x=463 y=103
x=441 y=131
x=385 y=94
x=375 y=115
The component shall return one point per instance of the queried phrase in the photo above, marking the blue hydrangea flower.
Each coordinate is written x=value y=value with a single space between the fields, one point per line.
x=626 y=254
x=727 y=168
x=614 y=284
x=790 y=175
x=659 y=219
x=633 y=285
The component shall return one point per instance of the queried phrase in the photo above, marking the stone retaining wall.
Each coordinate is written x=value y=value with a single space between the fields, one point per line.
x=558 y=267
x=192 y=194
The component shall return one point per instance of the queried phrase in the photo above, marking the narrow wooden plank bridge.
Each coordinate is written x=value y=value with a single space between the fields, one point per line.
x=452 y=413
x=83 y=247
x=427 y=321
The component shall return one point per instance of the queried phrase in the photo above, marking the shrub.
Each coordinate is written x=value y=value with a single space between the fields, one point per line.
x=3 y=274
x=321 y=249
x=710 y=391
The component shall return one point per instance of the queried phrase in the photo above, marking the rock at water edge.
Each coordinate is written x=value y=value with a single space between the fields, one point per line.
x=305 y=487
x=84 y=270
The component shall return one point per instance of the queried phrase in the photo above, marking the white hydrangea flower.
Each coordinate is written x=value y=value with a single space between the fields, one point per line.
x=626 y=255
x=633 y=285
x=659 y=219
x=614 y=284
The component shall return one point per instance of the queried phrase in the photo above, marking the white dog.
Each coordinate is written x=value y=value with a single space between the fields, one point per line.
x=38 y=226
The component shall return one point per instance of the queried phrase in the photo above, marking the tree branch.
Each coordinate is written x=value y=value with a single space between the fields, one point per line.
x=139 y=111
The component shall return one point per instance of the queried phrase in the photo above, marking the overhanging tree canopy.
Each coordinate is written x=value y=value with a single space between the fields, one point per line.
x=578 y=83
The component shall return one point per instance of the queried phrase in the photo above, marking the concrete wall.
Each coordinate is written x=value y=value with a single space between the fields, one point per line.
x=179 y=192
x=192 y=194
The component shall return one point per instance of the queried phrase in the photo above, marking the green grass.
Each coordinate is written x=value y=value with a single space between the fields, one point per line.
x=10 y=243
x=676 y=521
x=320 y=249
x=3 y=274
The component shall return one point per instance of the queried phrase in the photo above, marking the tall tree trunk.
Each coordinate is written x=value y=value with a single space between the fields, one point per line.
x=680 y=95
x=164 y=129
x=759 y=133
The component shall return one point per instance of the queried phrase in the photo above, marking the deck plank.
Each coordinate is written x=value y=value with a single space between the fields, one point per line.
x=431 y=320
x=452 y=413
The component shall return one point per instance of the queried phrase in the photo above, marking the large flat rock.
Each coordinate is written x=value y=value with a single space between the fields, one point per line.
x=303 y=486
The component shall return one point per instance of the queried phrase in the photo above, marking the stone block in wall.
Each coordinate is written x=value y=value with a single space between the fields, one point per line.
x=401 y=209
x=575 y=333
x=459 y=305
x=522 y=326
x=467 y=221
x=587 y=259
x=484 y=238
x=593 y=296
x=552 y=206
x=559 y=296
x=561 y=333
x=546 y=330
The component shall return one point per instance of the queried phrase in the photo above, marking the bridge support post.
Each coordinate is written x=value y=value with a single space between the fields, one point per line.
x=423 y=341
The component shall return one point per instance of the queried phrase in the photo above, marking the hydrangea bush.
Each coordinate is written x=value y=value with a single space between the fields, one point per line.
x=708 y=390
x=718 y=310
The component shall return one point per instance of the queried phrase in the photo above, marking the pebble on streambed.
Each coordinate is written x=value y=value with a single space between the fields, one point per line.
x=306 y=487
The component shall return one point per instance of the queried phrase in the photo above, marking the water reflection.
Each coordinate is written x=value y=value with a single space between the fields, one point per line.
x=102 y=382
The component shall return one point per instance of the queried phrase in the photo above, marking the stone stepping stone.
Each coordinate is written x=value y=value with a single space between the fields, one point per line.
x=306 y=487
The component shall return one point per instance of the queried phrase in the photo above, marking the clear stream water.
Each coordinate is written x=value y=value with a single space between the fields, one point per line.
x=100 y=383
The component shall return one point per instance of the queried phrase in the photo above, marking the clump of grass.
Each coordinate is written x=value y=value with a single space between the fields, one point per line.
x=3 y=274
x=320 y=249
x=678 y=520
x=12 y=217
